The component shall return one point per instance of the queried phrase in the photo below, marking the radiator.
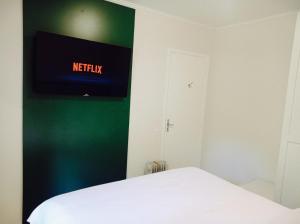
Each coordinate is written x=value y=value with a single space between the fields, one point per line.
x=155 y=166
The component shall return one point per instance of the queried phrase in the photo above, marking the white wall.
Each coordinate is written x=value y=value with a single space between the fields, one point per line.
x=246 y=94
x=154 y=34
x=10 y=111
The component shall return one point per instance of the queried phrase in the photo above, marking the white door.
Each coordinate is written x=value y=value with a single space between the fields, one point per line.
x=288 y=180
x=184 y=108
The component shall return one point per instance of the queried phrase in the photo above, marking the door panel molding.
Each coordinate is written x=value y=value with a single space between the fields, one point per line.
x=288 y=135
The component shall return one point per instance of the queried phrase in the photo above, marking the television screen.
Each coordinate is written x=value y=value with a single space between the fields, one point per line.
x=67 y=65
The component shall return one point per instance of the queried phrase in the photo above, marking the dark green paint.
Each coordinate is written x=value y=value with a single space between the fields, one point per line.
x=72 y=142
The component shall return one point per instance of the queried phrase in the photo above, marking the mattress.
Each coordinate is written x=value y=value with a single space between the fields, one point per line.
x=181 y=196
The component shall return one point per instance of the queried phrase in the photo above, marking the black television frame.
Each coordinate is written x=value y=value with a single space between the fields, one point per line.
x=56 y=54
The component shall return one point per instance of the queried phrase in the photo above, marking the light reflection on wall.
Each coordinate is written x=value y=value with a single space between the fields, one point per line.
x=84 y=22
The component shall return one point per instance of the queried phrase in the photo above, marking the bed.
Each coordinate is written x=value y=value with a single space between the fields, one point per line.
x=181 y=196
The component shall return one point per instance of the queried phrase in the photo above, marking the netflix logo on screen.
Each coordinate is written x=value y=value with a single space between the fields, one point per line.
x=89 y=68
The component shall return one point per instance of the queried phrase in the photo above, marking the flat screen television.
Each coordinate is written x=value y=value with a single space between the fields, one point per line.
x=72 y=66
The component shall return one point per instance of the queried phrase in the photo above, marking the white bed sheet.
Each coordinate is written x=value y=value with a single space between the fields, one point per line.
x=182 y=196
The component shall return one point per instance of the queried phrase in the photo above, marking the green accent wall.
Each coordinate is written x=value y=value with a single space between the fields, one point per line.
x=72 y=142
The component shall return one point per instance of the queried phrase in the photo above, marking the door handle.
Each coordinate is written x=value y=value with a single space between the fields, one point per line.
x=169 y=125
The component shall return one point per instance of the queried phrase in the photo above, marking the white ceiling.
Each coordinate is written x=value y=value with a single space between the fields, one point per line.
x=221 y=12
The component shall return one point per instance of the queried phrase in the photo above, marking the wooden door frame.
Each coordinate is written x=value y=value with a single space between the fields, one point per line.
x=166 y=91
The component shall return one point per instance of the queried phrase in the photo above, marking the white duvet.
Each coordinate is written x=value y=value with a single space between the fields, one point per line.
x=182 y=196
